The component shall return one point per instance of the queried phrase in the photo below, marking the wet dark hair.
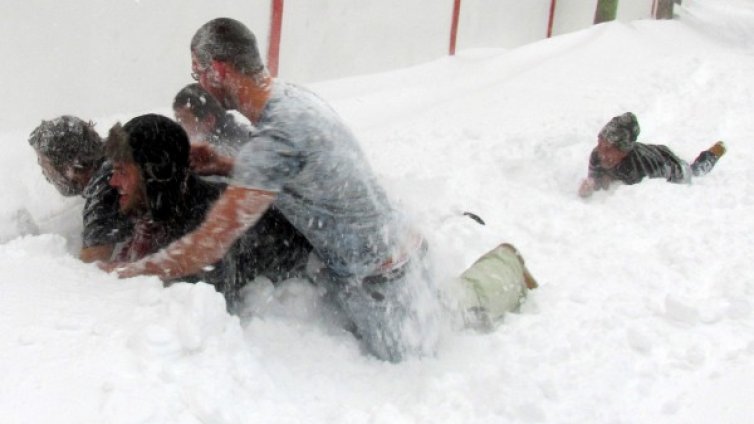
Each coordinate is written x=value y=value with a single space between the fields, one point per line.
x=199 y=102
x=160 y=148
x=227 y=40
x=68 y=140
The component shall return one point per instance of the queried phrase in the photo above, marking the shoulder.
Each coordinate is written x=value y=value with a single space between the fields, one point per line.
x=100 y=181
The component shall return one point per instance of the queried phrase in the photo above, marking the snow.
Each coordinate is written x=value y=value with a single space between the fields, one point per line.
x=645 y=308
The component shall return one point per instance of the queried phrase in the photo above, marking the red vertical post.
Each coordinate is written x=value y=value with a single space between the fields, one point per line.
x=654 y=9
x=454 y=26
x=273 y=46
x=551 y=20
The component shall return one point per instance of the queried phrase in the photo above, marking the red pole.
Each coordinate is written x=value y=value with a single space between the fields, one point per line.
x=273 y=47
x=654 y=9
x=551 y=20
x=454 y=26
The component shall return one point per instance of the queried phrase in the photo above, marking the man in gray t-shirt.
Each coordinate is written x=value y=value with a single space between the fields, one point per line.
x=308 y=163
x=324 y=186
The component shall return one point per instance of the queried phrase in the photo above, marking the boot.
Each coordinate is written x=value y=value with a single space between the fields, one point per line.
x=718 y=149
x=529 y=280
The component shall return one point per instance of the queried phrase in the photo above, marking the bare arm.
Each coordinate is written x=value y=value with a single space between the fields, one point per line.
x=206 y=160
x=235 y=211
x=96 y=253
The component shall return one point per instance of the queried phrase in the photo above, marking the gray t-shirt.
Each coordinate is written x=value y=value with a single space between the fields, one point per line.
x=324 y=184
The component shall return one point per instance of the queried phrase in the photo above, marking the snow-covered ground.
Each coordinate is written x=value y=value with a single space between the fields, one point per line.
x=645 y=311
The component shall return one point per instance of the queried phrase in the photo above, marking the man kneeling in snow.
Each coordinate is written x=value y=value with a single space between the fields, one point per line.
x=618 y=157
x=165 y=200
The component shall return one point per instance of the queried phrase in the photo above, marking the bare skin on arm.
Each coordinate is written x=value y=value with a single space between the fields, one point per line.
x=205 y=160
x=234 y=212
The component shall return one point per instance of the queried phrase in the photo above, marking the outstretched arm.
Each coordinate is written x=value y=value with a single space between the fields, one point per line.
x=206 y=160
x=235 y=211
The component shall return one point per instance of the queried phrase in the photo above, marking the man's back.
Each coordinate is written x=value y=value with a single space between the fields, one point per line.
x=645 y=160
x=324 y=185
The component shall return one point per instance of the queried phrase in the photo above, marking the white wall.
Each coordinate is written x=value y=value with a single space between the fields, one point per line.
x=502 y=23
x=631 y=10
x=67 y=46
x=326 y=39
x=142 y=46
x=573 y=15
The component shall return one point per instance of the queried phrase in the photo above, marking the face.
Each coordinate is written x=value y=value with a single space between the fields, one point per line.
x=609 y=155
x=197 y=129
x=208 y=77
x=68 y=179
x=127 y=180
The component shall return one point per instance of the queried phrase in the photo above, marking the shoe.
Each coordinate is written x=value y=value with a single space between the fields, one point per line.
x=718 y=149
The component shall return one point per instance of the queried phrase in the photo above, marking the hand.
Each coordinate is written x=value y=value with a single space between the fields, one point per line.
x=123 y=269
x=202 y=158
x=587 y=187
x=108 y=266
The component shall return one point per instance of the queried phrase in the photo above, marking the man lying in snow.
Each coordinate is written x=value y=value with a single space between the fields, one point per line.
x=165 y=200
x=618 y=157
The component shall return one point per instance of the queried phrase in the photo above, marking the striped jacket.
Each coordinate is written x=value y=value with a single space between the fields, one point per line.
x=645 y=160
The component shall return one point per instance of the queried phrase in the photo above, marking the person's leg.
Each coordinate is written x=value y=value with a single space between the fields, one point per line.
x=707 y=159
x=493 y=286
x=393 y=315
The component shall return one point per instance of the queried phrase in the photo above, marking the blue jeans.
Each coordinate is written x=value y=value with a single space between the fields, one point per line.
x=395 y=314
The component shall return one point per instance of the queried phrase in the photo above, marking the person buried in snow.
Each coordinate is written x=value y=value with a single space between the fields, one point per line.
x=619 y=157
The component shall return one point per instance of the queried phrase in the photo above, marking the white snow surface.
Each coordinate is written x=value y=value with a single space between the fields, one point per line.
x=645 y=310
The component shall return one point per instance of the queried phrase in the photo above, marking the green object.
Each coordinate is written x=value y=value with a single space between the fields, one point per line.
x=494 y=285
x=606 y=11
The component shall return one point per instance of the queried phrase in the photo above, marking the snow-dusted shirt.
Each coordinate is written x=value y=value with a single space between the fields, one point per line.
x=103 y=224
x=325 y=187
x=644 y=160
x=230 y=136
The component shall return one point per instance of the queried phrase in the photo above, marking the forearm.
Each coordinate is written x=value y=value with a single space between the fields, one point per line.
x=235 y=211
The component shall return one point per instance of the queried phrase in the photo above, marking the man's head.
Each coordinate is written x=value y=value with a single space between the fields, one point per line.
x=219 y=45
x=617 y=138
x=150 y=156
x=198 y=112
x=69 y=151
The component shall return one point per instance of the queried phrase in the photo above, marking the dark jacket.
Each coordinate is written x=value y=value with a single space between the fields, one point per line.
x=644 y=160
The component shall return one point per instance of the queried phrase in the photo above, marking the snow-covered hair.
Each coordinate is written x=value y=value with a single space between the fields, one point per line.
x=622 y=131
x=68 y=140
x=228 y=40
x=199 y=102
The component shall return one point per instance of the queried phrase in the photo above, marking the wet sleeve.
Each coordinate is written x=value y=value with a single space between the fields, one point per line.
x=658 y=161
x=267 y=161
x=676 y=170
